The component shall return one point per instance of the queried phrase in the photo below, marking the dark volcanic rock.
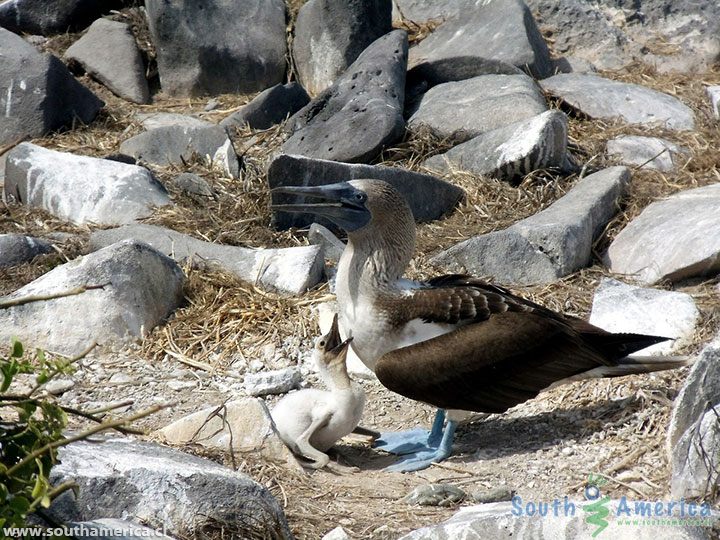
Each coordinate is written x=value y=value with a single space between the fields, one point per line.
x=361 y=113
x=224 y=46
x=50 y=17
x=330 y=35
x=270 y=107
x=17 y=248
x=37 y=92
x=109 y=53
x=429 y=197
x=496 y=29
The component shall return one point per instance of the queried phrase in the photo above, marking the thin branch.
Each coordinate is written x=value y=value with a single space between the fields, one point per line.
x=84 y=435
x=15 y=302
x=67 y=363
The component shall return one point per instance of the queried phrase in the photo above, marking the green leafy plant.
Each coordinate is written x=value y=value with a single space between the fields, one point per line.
x=32 y=430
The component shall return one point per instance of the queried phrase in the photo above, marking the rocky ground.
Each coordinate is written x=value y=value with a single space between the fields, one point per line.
x=226 y=328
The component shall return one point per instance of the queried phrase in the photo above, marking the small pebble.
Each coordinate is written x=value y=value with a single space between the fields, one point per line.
x=435 y=495
x=494 y=495
x=58 y=386
x=181 y=385
x=212 y=105
x=121 y=378
x=338 y=533
x=567 y=451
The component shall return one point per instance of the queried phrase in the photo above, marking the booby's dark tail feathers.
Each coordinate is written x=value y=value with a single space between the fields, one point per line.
x=631 y=365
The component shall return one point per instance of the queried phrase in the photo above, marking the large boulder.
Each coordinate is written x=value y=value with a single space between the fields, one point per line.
x=464 y=109
x=673 y=239
x=58 y=16
x=495 y=29
x=270 y=107
x=694 y=434
x=539 y=142
x=37 y=92
x=330 y=35
x=81 y=189
x=429 y=197
x=225 y=46
x=361 y=113
x=292 y=270
x=549 y=244
x=109 y=53
x=131 y=289
x=184 y=495
x=598 y=97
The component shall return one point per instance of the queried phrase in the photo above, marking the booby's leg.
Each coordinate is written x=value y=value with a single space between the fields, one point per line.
x=305 y=449
x=422 y=459
x=407 y=442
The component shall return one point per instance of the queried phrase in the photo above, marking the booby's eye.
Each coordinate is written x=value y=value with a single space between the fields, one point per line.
x=360 y=197
x=321 y=343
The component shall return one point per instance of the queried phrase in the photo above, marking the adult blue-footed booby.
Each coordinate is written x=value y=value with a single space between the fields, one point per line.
x=454 y=341
x=311 y=421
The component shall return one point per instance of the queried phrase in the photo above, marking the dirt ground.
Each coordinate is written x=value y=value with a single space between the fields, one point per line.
x=543 y=449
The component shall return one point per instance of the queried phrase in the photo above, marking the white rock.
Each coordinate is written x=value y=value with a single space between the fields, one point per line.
x=244 y=425
x=140 y=288
x=121 y=378
x=277 y=381
x=714 y=95
x=164 y=119
x=181 y=385
x=650 y=152
x=82 y=189
x=338 y=533
x=619 y=307
x=674 y=239
x=292 y=270
x=59 y=386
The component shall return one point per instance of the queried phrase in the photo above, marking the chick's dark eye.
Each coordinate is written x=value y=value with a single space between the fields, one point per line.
x=322 y=343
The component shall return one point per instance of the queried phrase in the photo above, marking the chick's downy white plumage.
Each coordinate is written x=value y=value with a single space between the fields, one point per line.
x=310 y=421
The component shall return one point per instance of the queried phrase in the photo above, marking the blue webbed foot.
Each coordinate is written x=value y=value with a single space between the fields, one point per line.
x=432 y=453
x=407 y=442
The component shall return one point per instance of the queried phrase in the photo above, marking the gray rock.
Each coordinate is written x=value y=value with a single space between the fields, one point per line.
x=81 y=189
x=115 y=529
x=16 y=249
x=539 y=142
x=714 y=95
x=361 y=113
x=244 y=425
x=429 y=197
x=464 y=109
x=37 y=92
x=270 y=107
x=41 y=17
x=228 y=46
x=292 y=270
x=494 y=495
x=671 y=37
x=598 y=97
x=550 y=244
x=165 y=489
x=435 y=495
x=330 y=35
x=212 y=105
x=618 y=307
x=500 y=521
x=140 y=288
x=331 y=245
x=496 y=29
x=572 y=64
x=693 y=438
x=59 y=386
x=673 y=239
x=422 y=10
x=173 y=144
x=162 y=119
x=650 y=152
x=109 y=53
x=277 y=381
x=193 y=184
x=425 y=75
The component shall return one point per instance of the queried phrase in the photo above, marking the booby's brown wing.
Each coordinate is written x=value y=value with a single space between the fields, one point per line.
x=490 y=366
x=462 y=300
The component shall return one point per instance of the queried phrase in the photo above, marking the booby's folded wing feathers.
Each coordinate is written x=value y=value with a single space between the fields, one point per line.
x=491 y=366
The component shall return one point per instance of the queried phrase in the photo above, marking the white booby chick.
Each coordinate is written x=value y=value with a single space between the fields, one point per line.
x=310 y=421
x=454 y=341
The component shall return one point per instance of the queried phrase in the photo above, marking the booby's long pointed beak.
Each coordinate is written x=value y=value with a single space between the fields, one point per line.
x=341 y=203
